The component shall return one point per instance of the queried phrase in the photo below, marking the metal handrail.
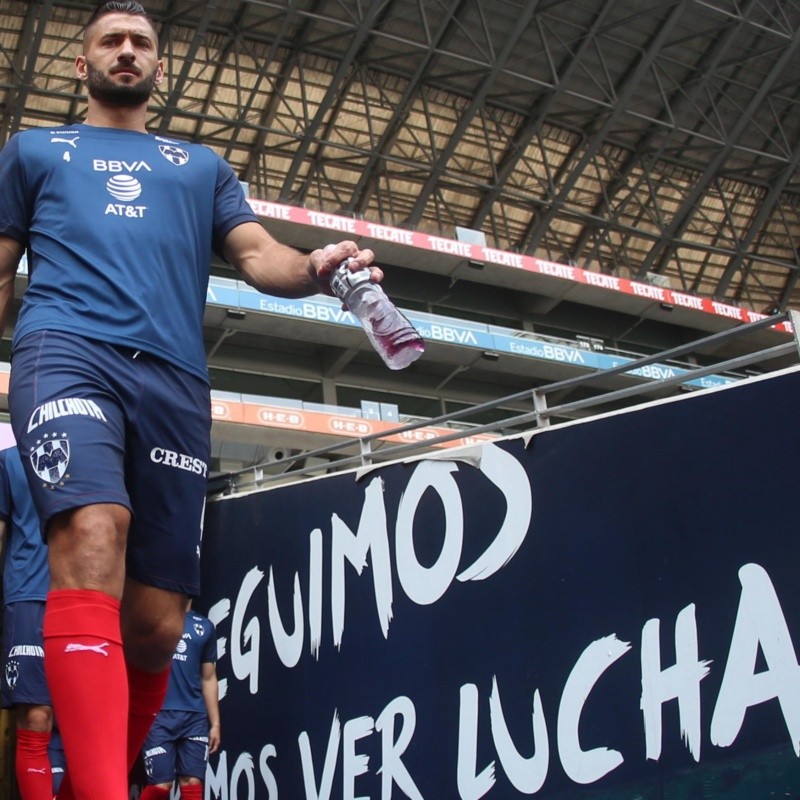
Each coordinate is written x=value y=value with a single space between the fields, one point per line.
x=255 y=477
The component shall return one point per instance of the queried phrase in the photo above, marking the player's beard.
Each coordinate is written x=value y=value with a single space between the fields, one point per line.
x=106 y=91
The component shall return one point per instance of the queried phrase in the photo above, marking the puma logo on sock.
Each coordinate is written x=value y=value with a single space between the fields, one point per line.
x=74 y=647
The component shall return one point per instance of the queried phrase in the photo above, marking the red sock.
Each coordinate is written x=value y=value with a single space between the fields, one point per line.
x=154 y=793
x=191 y=791
x=146 y=691
x=86 y=674
x=33 y=765
x=65 y=790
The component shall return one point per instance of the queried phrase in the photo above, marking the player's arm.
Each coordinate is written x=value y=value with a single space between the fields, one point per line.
x=5 y=508
x=278 y=269
x=10 y=254
x=3 y=529
x=210 y=689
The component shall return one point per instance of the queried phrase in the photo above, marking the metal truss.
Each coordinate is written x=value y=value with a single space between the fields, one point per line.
x=658 y=141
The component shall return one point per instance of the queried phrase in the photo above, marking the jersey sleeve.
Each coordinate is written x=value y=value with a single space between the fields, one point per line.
x=209 y=654
x=230 y=205
x=5 y=489
x=15 y=209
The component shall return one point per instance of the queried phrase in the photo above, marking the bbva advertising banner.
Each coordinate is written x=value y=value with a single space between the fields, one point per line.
x=605 y=609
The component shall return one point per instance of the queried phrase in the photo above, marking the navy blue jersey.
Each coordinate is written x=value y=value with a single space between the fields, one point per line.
x=26 y=575
x=197 y=646
x=119 y=227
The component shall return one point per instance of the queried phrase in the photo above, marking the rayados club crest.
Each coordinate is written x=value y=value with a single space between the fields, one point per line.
x=11 y=674
x=50 y=458
x=176 y=155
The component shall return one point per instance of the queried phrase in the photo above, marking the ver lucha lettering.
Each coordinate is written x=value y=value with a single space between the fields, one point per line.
x=527 y=761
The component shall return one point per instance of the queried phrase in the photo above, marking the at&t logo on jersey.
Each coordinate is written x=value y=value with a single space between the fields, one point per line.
x=123 y=186
x=180 y=650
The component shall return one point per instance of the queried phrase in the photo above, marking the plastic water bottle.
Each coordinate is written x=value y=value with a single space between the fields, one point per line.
x=394 y=338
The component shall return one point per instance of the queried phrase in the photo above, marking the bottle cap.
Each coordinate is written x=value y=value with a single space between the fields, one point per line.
x=343 y=280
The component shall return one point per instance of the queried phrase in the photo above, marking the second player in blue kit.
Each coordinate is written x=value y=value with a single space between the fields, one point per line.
x=187 y=728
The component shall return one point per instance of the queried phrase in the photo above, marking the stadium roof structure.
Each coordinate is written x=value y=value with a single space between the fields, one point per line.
x=650 y=140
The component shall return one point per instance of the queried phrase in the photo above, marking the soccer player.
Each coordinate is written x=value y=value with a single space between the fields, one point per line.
x=187 y=728
x=25 y=581
x=109 y=395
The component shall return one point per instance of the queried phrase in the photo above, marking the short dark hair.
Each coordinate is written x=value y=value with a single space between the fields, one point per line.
x=119 y=7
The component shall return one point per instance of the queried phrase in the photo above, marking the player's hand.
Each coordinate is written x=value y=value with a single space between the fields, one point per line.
x=325 y=261
x=214 y=738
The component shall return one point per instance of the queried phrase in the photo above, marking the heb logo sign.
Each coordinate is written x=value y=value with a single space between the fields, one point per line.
x=220 y=411
x=281 y=418
x=225 y=411
x=350 y=427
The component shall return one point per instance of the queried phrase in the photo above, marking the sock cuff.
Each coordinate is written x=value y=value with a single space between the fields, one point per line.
x=32 y=740
x=154 y=793
x=82 y=612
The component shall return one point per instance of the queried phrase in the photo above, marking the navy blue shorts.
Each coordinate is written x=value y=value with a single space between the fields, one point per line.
x=176 y=746
x=101 y=423
x=23 y=656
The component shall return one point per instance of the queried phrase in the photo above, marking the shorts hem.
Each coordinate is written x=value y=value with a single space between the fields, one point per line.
x=160 y=582
x=28 y=701
x=73 y=503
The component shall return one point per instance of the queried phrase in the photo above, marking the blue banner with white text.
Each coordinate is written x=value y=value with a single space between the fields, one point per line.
x=607 y=609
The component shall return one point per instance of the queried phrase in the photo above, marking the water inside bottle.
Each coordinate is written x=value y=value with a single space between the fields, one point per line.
x=401 y=348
